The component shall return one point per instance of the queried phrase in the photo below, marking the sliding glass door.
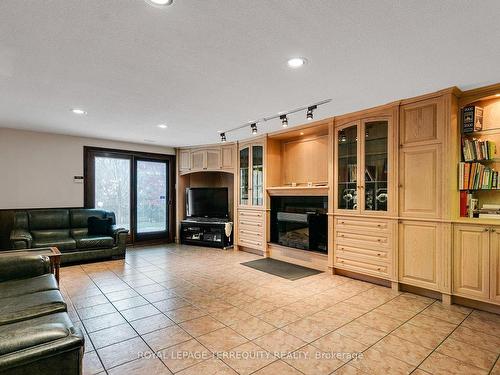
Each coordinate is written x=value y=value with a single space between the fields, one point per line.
x=135 y=186
x=151 y=197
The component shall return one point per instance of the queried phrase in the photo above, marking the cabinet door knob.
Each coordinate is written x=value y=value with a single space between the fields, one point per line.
x=400 y=186
x=486 y=230
x=493 y=229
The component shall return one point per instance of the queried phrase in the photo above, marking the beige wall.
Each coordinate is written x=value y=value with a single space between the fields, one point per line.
x=37 y=169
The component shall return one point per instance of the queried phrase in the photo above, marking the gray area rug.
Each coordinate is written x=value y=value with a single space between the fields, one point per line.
x=282 y=269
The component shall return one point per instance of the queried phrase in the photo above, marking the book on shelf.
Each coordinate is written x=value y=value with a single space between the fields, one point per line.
x=476 y=176
x=476 y=149
x=472 y=119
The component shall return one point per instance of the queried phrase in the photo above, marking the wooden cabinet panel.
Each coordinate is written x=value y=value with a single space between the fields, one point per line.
x=420 y=181
x=227 y=157
x=251 y=232
x=470 y=261
x=197 y=160
x=213 y=158
x=420 y=253
x=306 y=161
x=184 y=160
x=421 y=122
x=495 y=265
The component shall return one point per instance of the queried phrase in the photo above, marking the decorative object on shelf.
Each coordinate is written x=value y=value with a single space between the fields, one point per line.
x=489 y=211
x=472 y=119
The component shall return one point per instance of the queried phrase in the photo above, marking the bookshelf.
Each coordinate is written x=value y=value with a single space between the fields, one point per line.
x=479 y=165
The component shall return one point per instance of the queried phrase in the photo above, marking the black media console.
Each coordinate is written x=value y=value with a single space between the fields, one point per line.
x=206 y=232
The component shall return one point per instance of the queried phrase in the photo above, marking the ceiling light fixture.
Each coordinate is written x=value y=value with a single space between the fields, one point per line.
x=296 y=62
x=162 y=126
x=160 y=2
x=254 y=128
x=309 y=115
x=78 y=111
x=284 y=120
x=223 y=137
x=497 y=95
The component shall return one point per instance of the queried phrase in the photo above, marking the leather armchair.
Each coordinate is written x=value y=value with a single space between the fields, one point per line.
x=14 y=267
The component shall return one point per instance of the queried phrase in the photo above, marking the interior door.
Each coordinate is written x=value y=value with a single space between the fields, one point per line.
x=151 y=198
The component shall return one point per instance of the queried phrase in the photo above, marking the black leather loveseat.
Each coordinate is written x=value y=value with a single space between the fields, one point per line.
x=67 y=229
x=36 y=334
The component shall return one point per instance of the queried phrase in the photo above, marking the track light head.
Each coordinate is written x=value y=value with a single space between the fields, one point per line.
x=310 y=110
x=223 y=137
x=284 y=120
x=254 y=128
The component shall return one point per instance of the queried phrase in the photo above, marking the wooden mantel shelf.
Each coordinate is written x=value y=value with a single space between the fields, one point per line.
x=297 y=190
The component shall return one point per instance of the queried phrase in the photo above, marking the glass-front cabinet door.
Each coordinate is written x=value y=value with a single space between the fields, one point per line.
x=376 y=168
x=257 y=175
x=347 y=167
x=244 y=175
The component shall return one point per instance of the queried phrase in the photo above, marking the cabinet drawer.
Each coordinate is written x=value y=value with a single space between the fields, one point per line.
x=362 y=240
x=258 y=235
x=251 y=226
x=376 y=255
x=362 y=266
x=254 y=242
x=250 y=216
x=353 y=224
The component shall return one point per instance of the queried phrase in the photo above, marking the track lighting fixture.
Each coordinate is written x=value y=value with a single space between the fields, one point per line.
x=223 y=137
x=254 y=128
x=284 y=120
x=310 y=110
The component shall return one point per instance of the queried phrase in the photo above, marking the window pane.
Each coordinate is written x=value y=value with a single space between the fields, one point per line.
x=151 y=196
x=112 y=188
x=376 y=166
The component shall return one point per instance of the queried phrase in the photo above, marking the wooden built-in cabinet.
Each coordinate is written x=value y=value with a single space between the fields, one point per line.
x=213 y=158
x=475 y=262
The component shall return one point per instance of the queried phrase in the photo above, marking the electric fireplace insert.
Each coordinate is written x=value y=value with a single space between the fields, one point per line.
x=300 y=222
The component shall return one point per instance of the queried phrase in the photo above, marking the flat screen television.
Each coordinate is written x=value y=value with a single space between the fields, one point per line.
x=207 y=202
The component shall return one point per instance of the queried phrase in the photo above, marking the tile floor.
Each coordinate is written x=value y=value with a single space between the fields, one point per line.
x=188 y=310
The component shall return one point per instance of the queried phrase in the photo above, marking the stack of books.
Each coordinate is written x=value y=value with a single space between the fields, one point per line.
x=475 y=149
x=475 y=176
x=490 y=211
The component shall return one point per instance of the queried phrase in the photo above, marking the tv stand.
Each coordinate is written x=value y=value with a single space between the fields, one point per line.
x=203 y=231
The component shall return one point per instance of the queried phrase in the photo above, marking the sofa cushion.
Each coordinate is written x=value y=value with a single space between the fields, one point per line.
x=99 y=227
x=48 y=219
x=79 y=232
x=94 y=242
x=79 y=217
x=50 y=234
x=63 y=244
x=29 y=306
x=26 y=286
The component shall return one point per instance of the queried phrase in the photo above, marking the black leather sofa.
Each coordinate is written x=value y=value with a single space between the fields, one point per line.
x=67 y=229
x=36 y=334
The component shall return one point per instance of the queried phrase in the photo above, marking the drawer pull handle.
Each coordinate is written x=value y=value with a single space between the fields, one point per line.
x=378 y=254
x=379 y=225
x=379 y=240
x=341 y=235
x=342 y=222
x=378 y=269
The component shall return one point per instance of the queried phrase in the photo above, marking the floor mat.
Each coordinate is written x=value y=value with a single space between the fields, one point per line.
x=282 y=269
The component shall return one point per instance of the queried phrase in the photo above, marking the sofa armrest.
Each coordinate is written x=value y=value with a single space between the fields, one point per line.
x=22 y=266
x=120 y=236
x=116 y=231
x=20 y=239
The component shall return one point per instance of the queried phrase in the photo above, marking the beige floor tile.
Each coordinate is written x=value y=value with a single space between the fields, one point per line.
x=222 y=340
x=406 y=351
x=478 y=323
x=307 y=329
x=139 y=312
x=247 y=358
x=112 y=335
x=278 y=368
x=94 y=311
x=349 y=370
x=279 y=317
x=395 y=312
x=252 y=328
x=129 y=303
x=209 y=367
x=361 y=333
x=200 y=326
x=142 y=366
x=345 y=347
x=379 y=321
x=81 y=303
x=313 y=361
x=104 y=321
x=159 y=295
x=419 y=335
x=91 y=364
x=496 y=368
x=231 y=315
x=125 y=351
x=171 y=304
x=279 y=342
x=468 y=353
x=375 y=362
x=185 y=313
x=184 y=355
x=477 y=339
x=446 y=313
x=438 y=363
x=166 y=337
x=122 y=294
x=432 y=323
x=151 y=323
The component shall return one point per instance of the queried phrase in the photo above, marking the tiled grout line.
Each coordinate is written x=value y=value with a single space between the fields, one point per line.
x=494 y=363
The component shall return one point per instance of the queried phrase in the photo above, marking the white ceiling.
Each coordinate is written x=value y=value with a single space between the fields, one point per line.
x=202 y=66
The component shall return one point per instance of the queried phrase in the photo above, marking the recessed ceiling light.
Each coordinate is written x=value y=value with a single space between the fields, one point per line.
x=160 y=2
x=78 y=111
x=162 y=126
x=301 y=133
x=296 y=62
x=497 y=94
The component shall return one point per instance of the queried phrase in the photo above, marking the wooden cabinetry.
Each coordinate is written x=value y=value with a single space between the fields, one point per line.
x=365 y=245
x=251 y=229
x=214 y=158
x=476 y=252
